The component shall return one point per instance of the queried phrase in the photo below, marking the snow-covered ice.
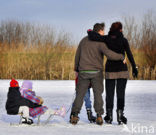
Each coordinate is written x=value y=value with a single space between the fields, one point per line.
x=140 y=109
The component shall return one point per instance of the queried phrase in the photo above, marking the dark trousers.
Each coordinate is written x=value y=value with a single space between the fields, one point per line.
x=120 y=85
x=84 y=79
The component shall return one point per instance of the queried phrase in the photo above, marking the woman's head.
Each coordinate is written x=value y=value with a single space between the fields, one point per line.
x=116 y=27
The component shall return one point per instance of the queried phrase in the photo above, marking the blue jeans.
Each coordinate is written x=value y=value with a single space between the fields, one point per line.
x=87 y=99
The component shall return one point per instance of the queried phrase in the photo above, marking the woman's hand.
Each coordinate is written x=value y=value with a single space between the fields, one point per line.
x=135 y=72
x=124 y=61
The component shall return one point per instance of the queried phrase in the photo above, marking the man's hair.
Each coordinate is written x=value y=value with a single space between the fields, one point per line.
x=98 y=26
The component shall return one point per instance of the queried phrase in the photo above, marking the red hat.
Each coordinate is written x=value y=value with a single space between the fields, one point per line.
x=89 y=30
x=14 y=83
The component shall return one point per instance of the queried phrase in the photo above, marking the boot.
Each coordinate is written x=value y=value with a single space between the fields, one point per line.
x=109 y=117
x=27 y=121
x=91 y=118
x=120 y=117
x=74 y=118
x=99 y=119
x=61 y=112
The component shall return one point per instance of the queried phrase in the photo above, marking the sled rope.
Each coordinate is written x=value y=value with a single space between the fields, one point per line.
x=71 y=102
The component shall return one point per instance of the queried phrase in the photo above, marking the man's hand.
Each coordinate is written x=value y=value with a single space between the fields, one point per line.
x=76 y=74
x=124 y=61
x=76 y=78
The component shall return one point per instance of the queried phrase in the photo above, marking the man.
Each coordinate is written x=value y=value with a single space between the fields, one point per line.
x=89 y=64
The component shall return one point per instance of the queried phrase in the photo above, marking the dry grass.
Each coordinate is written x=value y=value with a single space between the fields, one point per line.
x=38 y=63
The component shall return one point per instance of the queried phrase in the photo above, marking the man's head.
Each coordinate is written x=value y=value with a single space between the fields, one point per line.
x=99 y=28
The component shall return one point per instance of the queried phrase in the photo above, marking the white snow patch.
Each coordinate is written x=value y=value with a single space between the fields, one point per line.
x=140 y=109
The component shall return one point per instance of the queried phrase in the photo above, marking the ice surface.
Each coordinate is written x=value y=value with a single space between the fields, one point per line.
x=140 y=109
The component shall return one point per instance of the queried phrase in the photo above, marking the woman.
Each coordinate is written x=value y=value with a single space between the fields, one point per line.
x=116 y=72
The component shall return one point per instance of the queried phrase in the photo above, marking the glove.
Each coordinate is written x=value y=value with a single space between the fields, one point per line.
x=41 y=101
x=135 y=72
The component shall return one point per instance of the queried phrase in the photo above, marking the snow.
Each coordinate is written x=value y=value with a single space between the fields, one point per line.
x=140 y=109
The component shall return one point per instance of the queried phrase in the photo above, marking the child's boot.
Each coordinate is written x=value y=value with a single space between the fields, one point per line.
x=27 y=121
x=91 y=118
x=61 y=112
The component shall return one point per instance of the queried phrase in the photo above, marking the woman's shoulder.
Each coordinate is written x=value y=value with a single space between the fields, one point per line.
x=125 y=39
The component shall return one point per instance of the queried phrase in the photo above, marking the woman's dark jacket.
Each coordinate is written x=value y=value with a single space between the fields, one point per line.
x=15 y=100
x=117 y=43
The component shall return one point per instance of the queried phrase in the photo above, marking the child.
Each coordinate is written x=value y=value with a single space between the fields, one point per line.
x=16 y=104
x=26 y=92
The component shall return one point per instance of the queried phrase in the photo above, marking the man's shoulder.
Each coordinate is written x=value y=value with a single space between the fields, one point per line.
x=84 y=39
x=99 y=43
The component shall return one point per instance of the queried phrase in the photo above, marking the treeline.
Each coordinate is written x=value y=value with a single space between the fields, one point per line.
x=30 y=51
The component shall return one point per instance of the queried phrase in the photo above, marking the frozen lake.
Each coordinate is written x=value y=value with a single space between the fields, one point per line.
x=140 y=109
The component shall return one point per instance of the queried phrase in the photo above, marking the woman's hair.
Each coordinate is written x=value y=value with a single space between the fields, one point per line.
x=98 y=26
x=116 y=26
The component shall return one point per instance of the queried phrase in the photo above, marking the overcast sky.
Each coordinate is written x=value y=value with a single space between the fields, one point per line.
x=73 y=16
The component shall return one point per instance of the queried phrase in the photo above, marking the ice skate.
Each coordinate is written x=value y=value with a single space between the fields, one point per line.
x=121 y=118
x=74 y=118
x=26 y=121
x=109 y=116
x=91 y=118
x=99 y=119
